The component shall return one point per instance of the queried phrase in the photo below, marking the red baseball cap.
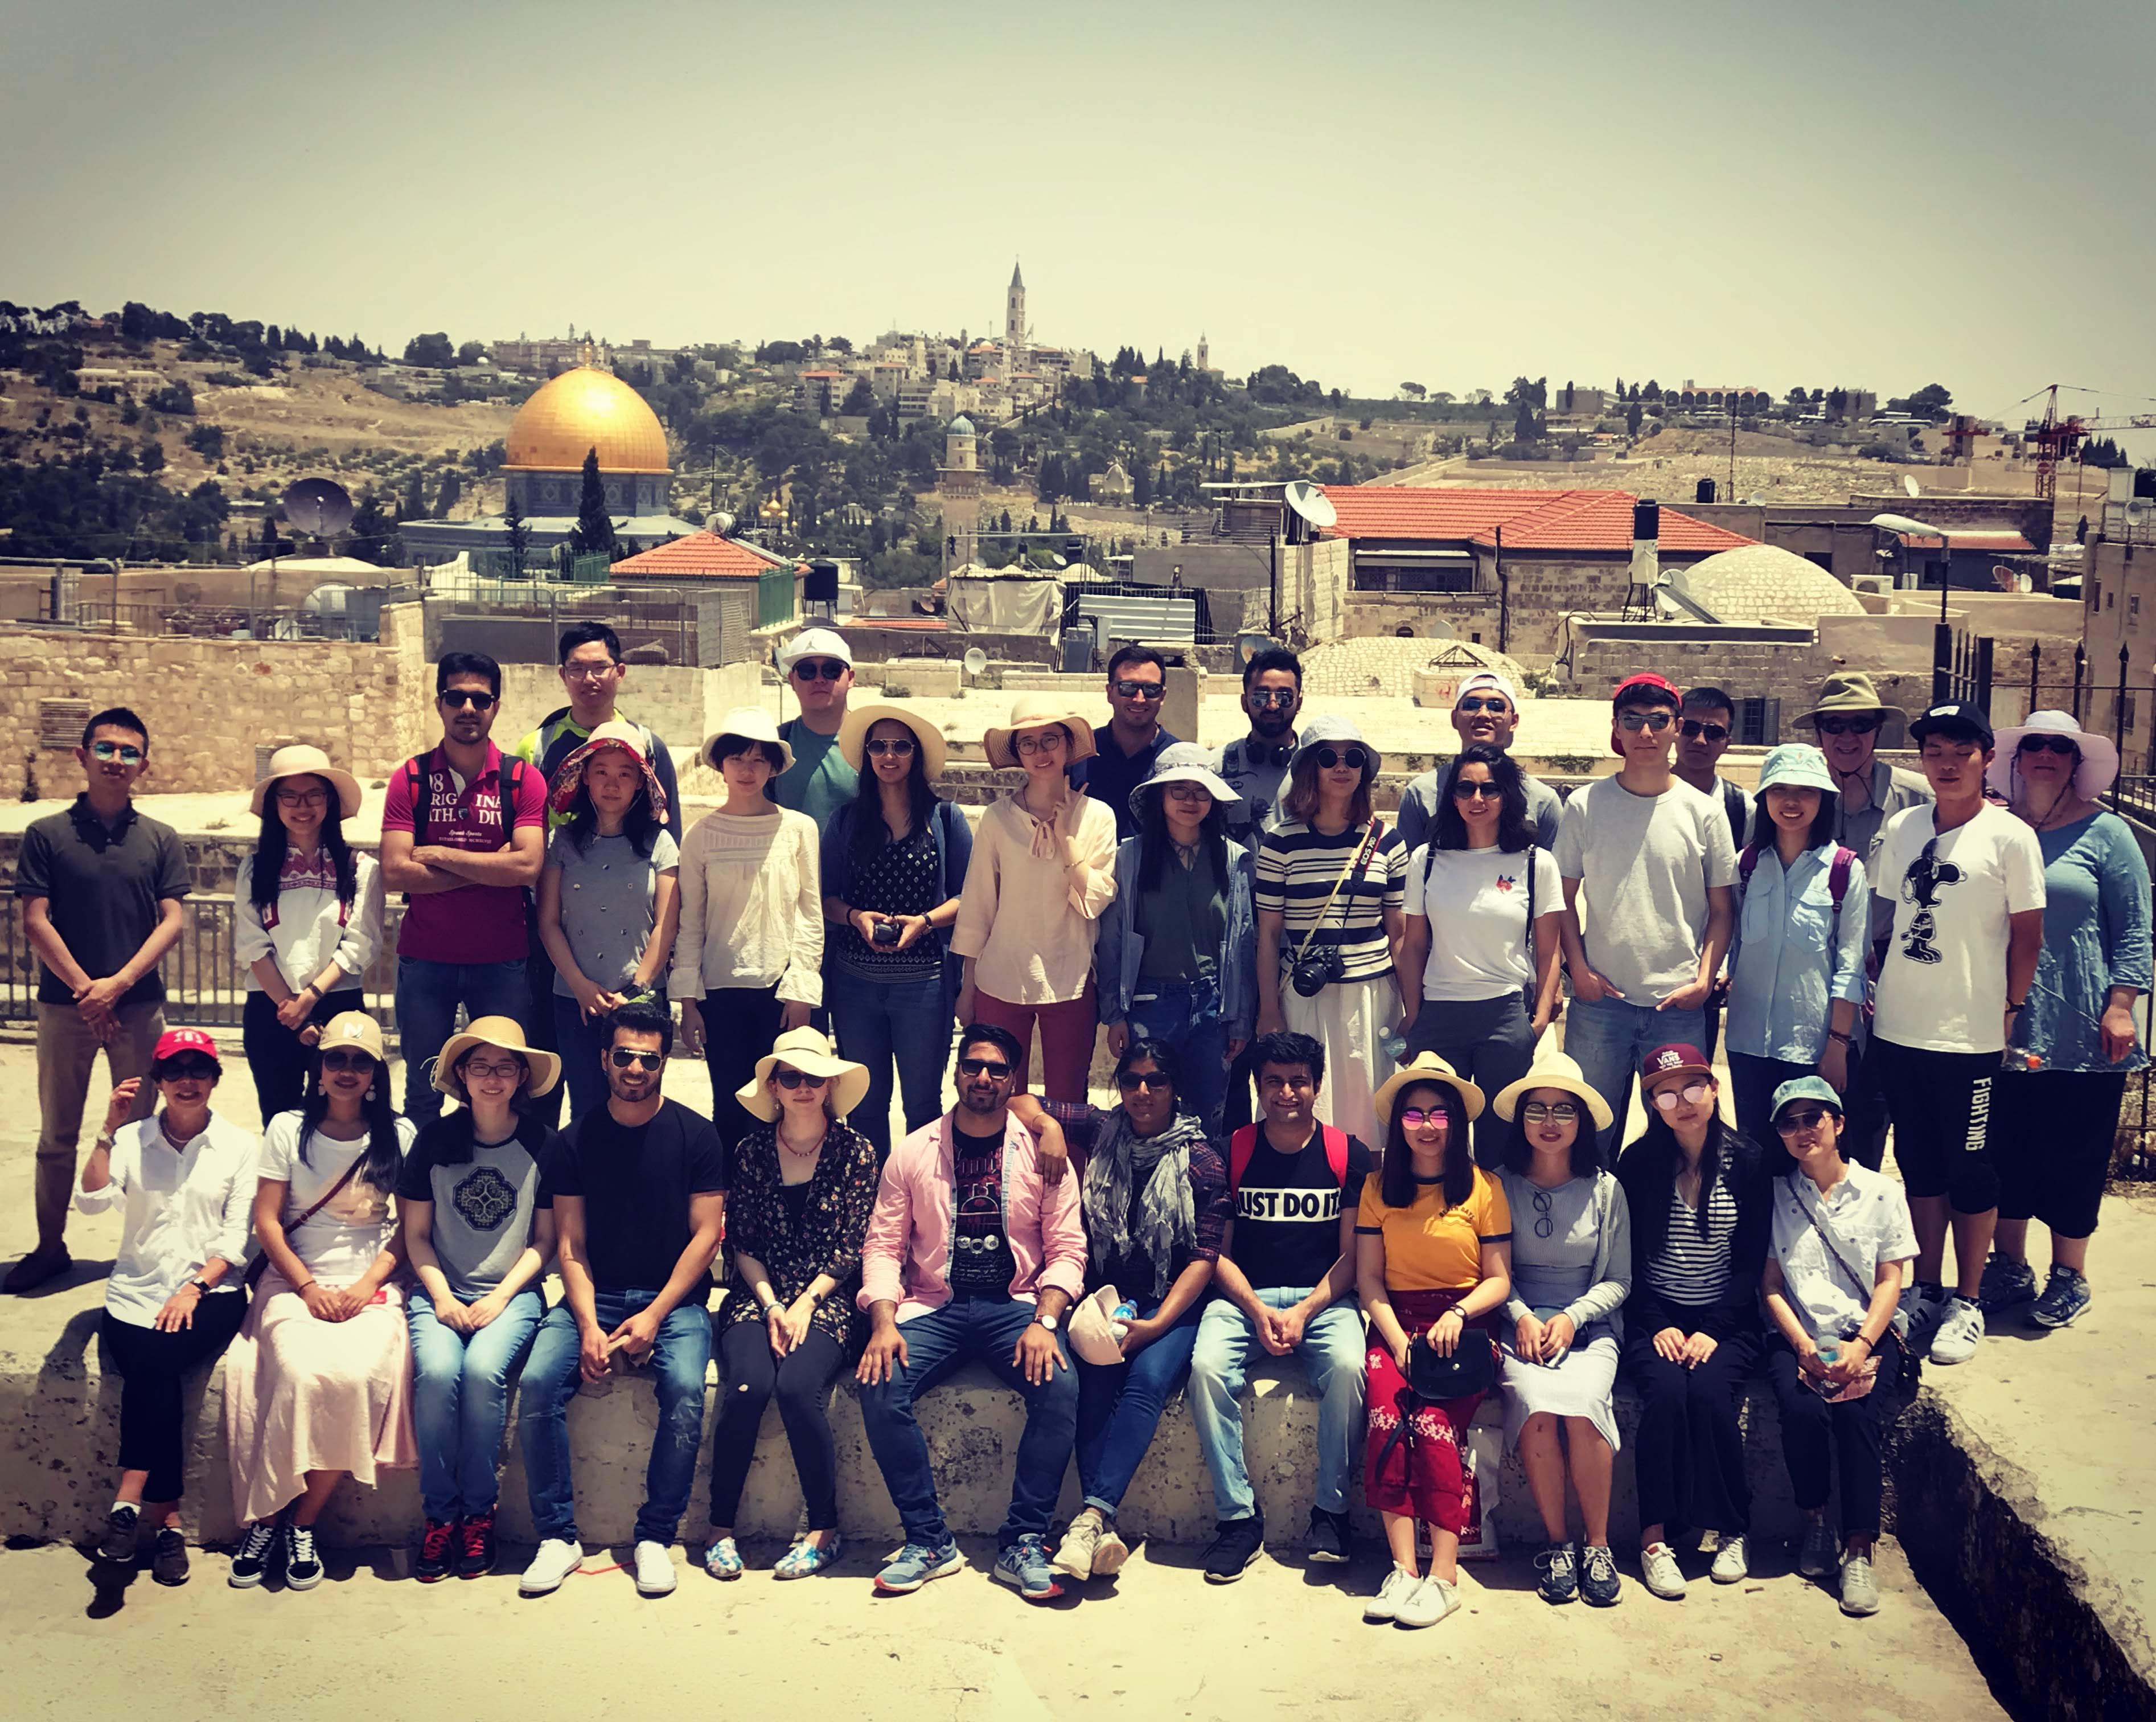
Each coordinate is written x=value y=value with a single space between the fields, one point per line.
x=1679 y=1058
x=174 y=1042
x=1659 y=684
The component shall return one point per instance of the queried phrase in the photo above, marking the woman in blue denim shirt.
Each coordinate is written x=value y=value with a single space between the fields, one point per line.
x=894 y=861
x=1796 y=962
x=1177 y=952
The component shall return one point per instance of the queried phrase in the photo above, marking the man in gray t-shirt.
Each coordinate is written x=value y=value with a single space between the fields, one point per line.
x=1487 y=709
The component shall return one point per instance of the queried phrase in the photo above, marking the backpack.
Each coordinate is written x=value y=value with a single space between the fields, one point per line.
x=513 y=769
x=1837 y=874
x=1244 y=1143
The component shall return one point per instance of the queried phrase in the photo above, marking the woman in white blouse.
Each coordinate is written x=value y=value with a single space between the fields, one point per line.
x=306 y=919
x=183 y=1179
x=748 y=959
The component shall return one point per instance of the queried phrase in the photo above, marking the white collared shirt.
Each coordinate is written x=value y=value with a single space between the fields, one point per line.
x=1870 y=1218
x=179 y=1208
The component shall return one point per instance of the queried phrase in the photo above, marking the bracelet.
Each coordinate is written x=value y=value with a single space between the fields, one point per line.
x=1845 y=1041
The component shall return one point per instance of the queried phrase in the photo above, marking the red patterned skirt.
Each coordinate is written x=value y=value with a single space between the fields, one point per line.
x=1424 y=1474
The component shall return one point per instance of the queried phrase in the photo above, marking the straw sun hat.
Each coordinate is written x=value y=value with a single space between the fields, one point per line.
x=854 y=734
x=805 y=1049
x=505 y=1033
x=1424 y=1068
x=301 y=760
x=1037 y=710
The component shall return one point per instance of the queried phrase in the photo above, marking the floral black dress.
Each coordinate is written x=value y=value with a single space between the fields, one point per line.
x=800 y=1230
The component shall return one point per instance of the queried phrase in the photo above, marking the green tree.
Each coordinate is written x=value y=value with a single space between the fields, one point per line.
x=593 y=532
x=452 y=489
x=434 y=349
x=471 y=353
x=151 y=455
x=861 y=399
x=519 y=536
x=415 y=497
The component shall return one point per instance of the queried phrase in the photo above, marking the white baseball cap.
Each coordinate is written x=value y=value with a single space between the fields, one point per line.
x=1486 y=679
x=814 y=643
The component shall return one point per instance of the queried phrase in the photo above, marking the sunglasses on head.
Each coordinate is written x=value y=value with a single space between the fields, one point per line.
x=820 y=669
x=1665 y=1099
x=1654 y=722
x=1796 y=1120
x=896 y=747
x=123 y=752
x=1354 y=758
x=994 y=1068
x=2047 y=744
x=1477 y=791
x=625 y=1056
x=1131 y=690
x=195 y=1068
x=1133 y=1080
x=1497 y=703
x=477 y=698
x=798 y=1079
x=1536 y=1111
x=339 y=1059
x=1692 y=730
x=1863 y=725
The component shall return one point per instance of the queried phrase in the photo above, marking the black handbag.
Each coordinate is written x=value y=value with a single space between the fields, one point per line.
x=1472 y=1368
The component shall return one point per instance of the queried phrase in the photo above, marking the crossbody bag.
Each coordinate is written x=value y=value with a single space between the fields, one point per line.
x=1311 y=971
x=260 y=1265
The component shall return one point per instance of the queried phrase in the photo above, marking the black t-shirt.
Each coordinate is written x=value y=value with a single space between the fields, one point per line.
x=1287 y=1212
x=981 y=1265
x=636 y=1182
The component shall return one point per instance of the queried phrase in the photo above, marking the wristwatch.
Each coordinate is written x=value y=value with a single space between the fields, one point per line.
x=202 y=1286
x=1046 y=1321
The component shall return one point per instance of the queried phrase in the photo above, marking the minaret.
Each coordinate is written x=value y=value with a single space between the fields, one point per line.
x=1015 y=324
x=1204 y=354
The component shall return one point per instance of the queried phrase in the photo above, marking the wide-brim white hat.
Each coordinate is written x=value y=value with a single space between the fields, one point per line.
x=301 y=760
x=752 y=724
x=806 y=1050
x=1560 y=1071
x=853 y=735
x=2098 y=769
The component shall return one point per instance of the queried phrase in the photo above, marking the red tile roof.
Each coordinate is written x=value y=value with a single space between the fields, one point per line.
x=701 y=556
x=1532 y=519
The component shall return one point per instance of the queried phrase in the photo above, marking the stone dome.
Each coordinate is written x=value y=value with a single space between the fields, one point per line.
x=581 y=410
x=960 y=426
x=1761 y=582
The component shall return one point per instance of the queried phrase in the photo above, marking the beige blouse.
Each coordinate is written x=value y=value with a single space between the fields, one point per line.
x=1026 y=920
x=751 y=907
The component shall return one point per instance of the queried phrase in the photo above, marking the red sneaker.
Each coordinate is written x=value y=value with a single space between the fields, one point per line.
x=433 y=1564
x=476 y=1558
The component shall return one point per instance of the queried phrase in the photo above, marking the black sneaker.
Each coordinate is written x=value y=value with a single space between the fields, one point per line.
x=303 y=1566
x=1558 y=1566
x=168 y=1557
x=252 y=1561
x=1331 y=1538
x=122 y=1527
x=1238 y=1544
x=437 y=1544
x=476 y=1551
x=1597 y=1576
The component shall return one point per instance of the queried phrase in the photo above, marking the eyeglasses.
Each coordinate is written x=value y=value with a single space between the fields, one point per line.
x=820 y=668
x=339 y=1059
x=588 y=672
x=1133 y=1080
x=1860 y=726
x=1413 y=1116
x=993 y=1068
x=121 y=750
x=472 y=696
x=624 y=1057
x=1500 y=706
x=1665 y=1099
x=1692 y=730
x=1795 y=1124
x=1654 y=722
x=1544 y=1224
x=1536 y=1111
x=1477 y=791
x=1182 y=791
x=798 y=1079
x=2047 y=744
x=1354 y=758
x=506 y=1071
x=899 y=748
x=1131 y=690
x=1048 y=743
x=296 y=798
x=182 y=1070
x=1272 y=695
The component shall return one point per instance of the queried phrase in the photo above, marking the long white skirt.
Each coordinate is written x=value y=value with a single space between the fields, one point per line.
x=1349 y=1020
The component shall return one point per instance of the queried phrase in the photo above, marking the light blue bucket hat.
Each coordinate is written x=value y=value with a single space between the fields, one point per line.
x=1797 y=765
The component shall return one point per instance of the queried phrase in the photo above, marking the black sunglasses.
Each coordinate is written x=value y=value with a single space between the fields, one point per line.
x=624 y=1057
x=339 y=1060
x=1862 y=725
x=820 y=669
x=1692 y=730
x=176 y=1070
x=1131 y=690
x=467 y=697
x=1477 y=791
x=1272 y=695
x=1499 y=704
x=1354 y=758
x=994 y=1067
x=1131 y=1080
x=2047 y=744
x=1793 y=1123
x=797 y=1079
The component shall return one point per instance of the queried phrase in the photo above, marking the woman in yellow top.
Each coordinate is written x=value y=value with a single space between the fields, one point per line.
x=1433 y=1264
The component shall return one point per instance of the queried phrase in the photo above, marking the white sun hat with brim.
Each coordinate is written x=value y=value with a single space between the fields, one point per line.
x=301 y=760
x=1560 y=1071
x=1037 y=710
x=2098 y=769
x=752 y=724
x=505 y=1033
x=807 y=1051
x=1425 y=1067
x=1187 y=763
x=853 y=735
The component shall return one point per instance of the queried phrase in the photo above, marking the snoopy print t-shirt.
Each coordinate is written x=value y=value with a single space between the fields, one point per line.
x=1943 y=986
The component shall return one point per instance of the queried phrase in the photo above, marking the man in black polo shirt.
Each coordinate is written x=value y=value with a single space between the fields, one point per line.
x=101 y=888
x=1126 y=745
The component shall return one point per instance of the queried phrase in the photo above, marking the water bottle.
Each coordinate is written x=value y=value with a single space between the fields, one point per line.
x=1393 y=1046
x=1121 y=1317
x=1830 y=1352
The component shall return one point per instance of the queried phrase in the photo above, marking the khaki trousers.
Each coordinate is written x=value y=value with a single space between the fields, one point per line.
x=67 y=1052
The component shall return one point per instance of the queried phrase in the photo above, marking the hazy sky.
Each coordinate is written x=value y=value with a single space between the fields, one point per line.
x=1884 y=193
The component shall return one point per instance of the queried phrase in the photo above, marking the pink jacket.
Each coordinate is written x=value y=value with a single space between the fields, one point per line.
x=907 y=1258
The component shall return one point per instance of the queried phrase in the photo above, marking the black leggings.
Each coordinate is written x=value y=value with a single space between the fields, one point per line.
x=275 y=1057
x=740 y=1024
x=153 y=1366
x=1816 y=1434
x=1688 y=1452
x=801 y=1381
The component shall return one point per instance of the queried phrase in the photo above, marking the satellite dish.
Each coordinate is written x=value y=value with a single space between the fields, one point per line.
x=975 y=661
x=1305 y=499
x=721 y=523
x=318 y=507
x=1755 y=499
x=1909 y=485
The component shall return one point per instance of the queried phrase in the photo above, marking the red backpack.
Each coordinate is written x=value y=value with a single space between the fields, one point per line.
x=1244 y=1143
x=1837 y=877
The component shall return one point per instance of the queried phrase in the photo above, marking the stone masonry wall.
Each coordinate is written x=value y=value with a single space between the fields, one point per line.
x=1746 y=669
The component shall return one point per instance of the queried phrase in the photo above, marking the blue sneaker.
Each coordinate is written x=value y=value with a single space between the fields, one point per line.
x=1024 y=1567
x=2066 y=1294
x=915 y=1564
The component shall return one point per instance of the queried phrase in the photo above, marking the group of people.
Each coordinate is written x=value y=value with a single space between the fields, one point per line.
x=1423 y=1207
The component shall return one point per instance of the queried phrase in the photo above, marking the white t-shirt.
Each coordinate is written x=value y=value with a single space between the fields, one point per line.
x=1476 y=903
x=1944 y=984
x=1870 y=1217
x=1644 y=864
x=337 y=1245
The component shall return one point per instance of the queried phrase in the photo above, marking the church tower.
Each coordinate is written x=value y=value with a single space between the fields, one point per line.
x=1014 y=324
x=1204 y=354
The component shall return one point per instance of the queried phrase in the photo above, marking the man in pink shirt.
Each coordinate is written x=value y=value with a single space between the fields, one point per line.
x=971 y=1253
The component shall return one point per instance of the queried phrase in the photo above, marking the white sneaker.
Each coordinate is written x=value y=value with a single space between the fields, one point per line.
x=1860 y=1591
x=1923 y=1306
x=1959 y=1332
x=654 y=1570
x=1659 y=1573
x=556 y=1558
x=1729 y=1567
x=1399 y=1585
x=1427 y=1604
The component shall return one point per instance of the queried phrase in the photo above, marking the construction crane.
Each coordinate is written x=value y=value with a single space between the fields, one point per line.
x=2052 y=438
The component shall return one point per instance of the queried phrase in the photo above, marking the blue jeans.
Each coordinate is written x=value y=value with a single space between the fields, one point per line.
x=1331 y=1350
x=680 y=1360
x=460 y=1400
x=582 y=1069
x=936 y=1344
x=1610 y=1037
x=881 y=1023
x=427 y=995
x=1187 y=1017
x=1119 y=1407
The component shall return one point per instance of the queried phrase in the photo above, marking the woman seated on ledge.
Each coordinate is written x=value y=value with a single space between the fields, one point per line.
x=184 y=1180
x=319 y=1383
x=1838 y=1239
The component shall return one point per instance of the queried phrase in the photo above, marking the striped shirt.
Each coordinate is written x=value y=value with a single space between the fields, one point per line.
x=1297 y=868
x=1693 y=1266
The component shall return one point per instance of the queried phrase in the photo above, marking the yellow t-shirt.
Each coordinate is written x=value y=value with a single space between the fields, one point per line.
x=1429 y=1247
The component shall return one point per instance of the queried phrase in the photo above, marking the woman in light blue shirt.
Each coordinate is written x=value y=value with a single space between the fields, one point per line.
x=1796 y=962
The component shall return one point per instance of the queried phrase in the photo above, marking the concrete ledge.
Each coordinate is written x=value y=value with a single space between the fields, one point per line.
x=58 y=1459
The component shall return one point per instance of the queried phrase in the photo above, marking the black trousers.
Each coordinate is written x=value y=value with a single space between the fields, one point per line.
x=1864 y=1114
x=740 y=1024
x=539 y=1028
x=800 y=1379
x=1818 y=1434
x=275 y=1057
x=153 y=1366
x=1689 y=1451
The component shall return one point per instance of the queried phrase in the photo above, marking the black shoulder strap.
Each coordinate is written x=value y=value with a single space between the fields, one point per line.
x=421 y=782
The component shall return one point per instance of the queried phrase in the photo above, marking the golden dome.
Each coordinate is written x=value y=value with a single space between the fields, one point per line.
x=584 y=410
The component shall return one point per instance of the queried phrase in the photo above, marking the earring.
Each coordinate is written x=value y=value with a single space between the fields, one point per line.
x=369 y=1095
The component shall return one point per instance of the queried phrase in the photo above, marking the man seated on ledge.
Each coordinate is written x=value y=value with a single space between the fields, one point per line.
x=971 y=1253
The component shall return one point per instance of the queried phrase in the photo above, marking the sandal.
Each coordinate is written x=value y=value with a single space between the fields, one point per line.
x=723 y=1559
x=804 y=1558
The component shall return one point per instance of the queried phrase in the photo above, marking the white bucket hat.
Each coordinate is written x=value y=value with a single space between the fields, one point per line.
x=1187 y=763
x=2098 y=769
x=752 y=724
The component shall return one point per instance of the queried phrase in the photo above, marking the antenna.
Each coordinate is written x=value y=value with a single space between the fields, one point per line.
x=319 y=507
x=1310 y=503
